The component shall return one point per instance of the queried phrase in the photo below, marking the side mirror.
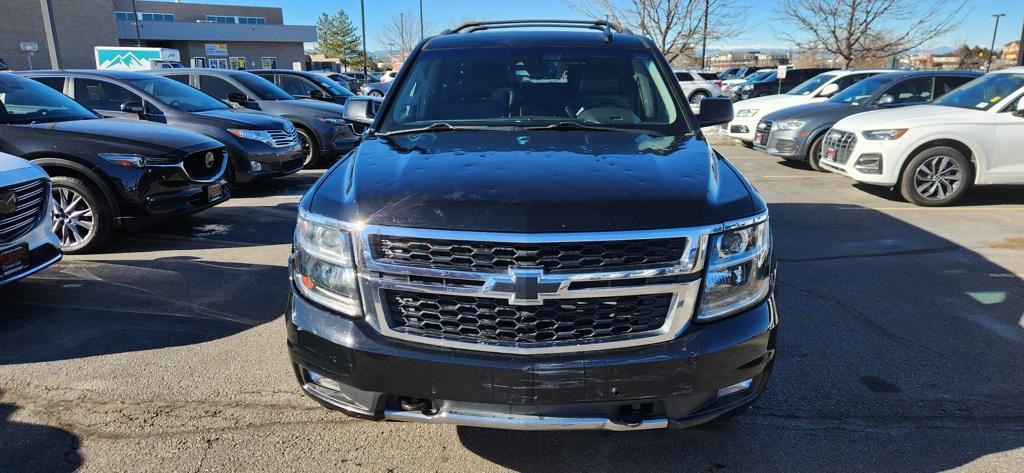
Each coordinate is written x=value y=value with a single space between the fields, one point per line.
x=829 y=90
x=361 y=110
x=886 y=99
x=317 y=94
x=133 y=107
x=1019 y=110
x=237 y=97
x=713 y=111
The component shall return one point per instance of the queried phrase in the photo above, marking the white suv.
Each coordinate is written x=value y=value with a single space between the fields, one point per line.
x=27 y=241
x=933 y=153
x=698 y=85
x=816 y=89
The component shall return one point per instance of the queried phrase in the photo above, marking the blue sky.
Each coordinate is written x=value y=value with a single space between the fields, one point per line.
x=975 y=30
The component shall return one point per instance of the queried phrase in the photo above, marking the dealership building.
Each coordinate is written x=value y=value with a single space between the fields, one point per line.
x=206 y=35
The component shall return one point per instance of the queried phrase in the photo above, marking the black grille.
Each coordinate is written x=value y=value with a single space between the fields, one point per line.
x=764 y=131
x=198 y=167
x=552 y=257
x=30 y=204
x=484 y=319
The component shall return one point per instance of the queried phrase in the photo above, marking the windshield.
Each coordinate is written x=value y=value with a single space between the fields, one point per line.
x=536 y=86
x=334 y=87
x=984 y=92
x=758 y=76
x=178 y=95
x=857 y=93
x=812 y=84
x=24 y=101
x=264 y=89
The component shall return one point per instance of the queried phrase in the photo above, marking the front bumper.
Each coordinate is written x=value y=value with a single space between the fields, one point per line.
x=272 y=162
x=43 y=250
x=890 y=166
x=742 y=128
x=171 y=204
x=790 y=144
x=336 y=140
x=670 y=384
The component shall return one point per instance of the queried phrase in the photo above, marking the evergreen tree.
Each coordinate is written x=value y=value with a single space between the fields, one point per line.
x=336 y=36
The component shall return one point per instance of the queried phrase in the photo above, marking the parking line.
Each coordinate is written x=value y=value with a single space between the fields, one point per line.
x=972 y=209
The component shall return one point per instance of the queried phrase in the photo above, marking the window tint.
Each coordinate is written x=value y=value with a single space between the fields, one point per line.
x=183 y=78
x=684 y=77
x=217 y=87
x=846 y=81
x=709 y=75
x=945 y=85
x=912 y=91
x=984 y=92
x=263 y=88
x=55 y=83
x=296 y=85
x=178 y=95
x=26 y=101
x=102 y=95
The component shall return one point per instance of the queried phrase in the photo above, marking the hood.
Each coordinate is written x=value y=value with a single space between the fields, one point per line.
x=818 y=112
x=529 y=182
x=906 y=117
x=240 y=117
x=154 y=138
x=9 y=164
x=303 y=108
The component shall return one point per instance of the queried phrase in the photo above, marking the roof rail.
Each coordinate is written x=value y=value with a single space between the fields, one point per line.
x=601 y=25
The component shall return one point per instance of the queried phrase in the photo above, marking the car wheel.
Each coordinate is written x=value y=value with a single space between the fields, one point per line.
x=376 y=93
x=936 y=177
x=697 y=96
x=310 y=150
x=82 y=219
x=814 y=154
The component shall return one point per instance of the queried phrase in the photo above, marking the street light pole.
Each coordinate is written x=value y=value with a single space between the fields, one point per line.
x=993 y=47
x=704 y=49
x=135 y=20
x=1020 y=57
x=421 y=20
x=366 y=57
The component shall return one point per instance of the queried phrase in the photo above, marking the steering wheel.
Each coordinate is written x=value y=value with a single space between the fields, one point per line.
x=598 y=104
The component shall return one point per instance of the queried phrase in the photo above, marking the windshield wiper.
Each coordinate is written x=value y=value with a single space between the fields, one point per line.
x=442 y=126
x=574 y=126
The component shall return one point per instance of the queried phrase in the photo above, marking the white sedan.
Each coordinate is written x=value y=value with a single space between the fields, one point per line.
x=933 y=153
x=816 y=89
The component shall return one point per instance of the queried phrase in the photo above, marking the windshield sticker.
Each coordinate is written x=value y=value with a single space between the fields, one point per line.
x=995 y=99
x=982 y=105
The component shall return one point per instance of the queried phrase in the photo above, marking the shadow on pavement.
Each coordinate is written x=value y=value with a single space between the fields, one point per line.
x=898 y=351
x=30 y=447
x=293 y=185
x=977 y=196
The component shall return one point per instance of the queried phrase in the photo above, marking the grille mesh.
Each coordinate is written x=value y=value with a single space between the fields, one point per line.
x=837 y=146
x=485 y=319
x=31 y=203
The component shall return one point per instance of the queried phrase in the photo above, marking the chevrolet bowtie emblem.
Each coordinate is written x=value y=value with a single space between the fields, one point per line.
x=8 y=202
x=525 y=286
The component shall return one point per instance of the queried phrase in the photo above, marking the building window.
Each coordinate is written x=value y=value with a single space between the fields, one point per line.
x=123 y=16
x=244 y=20
x=218 y=63
x=156 y=17
x=252 y=20
x=268 y=62
x=237 y=63
x=199 y=62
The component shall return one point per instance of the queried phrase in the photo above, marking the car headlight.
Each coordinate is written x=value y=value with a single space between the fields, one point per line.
x=747 y=87
x=332 y=121
x=746 y=112
x=790 y=124
x=322 y=265
x=131 y=160
x=887 y=134
x=258 y=135
x=739 y=271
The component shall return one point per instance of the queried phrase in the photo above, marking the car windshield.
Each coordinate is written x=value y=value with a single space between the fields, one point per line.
x=334 y=87
x=264 y=89
x=812 y=84
x=984 y=92
x=536 y=86
x=24 y=101
x=178 y=95
x=758 y=76
x=857 y=93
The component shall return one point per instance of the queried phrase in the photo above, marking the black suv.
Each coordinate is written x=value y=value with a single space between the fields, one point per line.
x=107 y=173
x=322 y=130
x=306 y=85
x=771 y=85
x=545 y=240
x=260 y=145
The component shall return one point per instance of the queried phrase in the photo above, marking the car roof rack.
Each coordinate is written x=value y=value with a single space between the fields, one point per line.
x=601 y=25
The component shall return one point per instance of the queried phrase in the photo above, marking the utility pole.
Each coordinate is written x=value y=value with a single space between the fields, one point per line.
x=135 y=20
x=1020 y=57
x=993 y=47
x=421 y=20
x=704 y=49
x=50 y=28
x=366 y=57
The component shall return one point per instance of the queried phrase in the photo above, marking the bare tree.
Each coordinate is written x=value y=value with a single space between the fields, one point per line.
x=867 y=30
x=676 y=26
x=401 y=35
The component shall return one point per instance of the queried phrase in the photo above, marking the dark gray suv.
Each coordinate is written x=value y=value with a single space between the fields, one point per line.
x=321 y=128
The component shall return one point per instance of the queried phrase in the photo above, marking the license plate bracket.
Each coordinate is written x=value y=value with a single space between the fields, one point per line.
x=13 y=260
x=214 y=192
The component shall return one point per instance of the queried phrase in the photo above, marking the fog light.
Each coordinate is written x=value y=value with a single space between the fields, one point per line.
x=738 y=387
x=256 y=167
x=739 y=129
x=870 y=163
x=323 y=381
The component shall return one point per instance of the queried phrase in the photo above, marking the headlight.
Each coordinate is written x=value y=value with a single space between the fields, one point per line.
x=739 y=271
x=137 y=160
x=332 y=121
x=790 y=124
x=746 y=112
x=322 y=265
x=258 y=135
x=887 y=134
x=747 y=87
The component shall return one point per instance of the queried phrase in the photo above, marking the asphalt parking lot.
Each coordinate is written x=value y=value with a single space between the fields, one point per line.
x=901 y=349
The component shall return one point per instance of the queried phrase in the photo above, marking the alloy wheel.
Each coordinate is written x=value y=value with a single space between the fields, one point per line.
x=696 y=98
x=937 y=177
x=72 y=217
x=307 y=149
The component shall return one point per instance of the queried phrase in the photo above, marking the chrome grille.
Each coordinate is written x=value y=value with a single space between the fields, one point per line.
x=838 y=146
x=31 y=200
x=284 y=138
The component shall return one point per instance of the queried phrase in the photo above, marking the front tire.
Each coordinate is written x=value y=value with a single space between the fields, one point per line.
x=814 y=154
x=82 y=218
x=936 y=177
x=310 y=149
x=376 y=93
x=698 y=96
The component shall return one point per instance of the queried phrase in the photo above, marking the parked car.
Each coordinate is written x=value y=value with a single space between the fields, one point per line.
x=388 y=76
x=771 y=85
x=27 y=242
x=730 y=87
x=935 y=153
x=260 y=145
x=107 y=174
x=323 y=132
x=376 y=89
x=796 y=133
x=350 y=84
x=695 y=86
x=816 y=89
x=569 y=275
x=366 y=78
x=306 y=85
x=732 y=72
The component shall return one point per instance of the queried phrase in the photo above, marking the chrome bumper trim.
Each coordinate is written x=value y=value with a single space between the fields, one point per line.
x=521 y=422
